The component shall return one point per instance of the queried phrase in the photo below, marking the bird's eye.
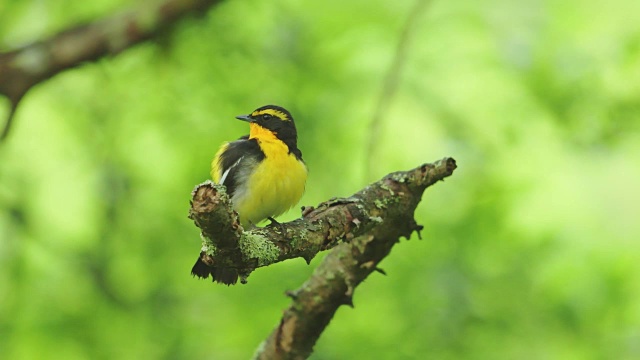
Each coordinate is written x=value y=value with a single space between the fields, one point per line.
x=266 y=117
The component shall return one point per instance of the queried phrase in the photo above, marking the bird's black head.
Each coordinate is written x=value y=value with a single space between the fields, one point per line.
x=275 y=119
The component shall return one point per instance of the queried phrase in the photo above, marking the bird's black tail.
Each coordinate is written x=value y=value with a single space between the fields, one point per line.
x=227 y=276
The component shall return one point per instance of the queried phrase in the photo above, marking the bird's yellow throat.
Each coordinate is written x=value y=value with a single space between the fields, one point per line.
x=258 y=132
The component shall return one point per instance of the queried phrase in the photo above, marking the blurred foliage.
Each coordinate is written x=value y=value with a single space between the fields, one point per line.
x=530 y=250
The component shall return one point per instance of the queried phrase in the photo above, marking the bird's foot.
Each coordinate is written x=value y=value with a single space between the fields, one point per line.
x=280 y=225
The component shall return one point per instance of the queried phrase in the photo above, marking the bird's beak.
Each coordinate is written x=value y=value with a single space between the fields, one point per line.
x=246 y=118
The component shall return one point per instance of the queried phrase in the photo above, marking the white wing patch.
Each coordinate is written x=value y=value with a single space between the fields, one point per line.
x=226 y=172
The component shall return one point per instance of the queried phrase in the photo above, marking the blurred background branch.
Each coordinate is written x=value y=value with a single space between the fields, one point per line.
x=390 y=84
x=23 y=68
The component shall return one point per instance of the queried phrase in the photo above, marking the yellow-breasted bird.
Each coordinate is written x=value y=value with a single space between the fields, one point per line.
x=263 y=172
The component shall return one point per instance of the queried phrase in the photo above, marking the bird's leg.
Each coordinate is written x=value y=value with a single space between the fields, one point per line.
x=274 y=222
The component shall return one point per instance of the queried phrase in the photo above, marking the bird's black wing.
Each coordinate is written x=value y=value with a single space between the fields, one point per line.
x=236 y=159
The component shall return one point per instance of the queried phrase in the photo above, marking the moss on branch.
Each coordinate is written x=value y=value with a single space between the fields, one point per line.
x=362 y=229
x=387 y=203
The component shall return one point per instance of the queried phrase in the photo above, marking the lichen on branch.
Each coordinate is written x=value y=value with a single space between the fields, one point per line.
x=386 y=204
x=334 y=281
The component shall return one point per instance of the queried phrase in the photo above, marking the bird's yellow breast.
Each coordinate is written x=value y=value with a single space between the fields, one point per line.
x=276 y=184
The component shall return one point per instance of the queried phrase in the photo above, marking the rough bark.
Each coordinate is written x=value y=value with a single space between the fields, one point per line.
x=362 y=229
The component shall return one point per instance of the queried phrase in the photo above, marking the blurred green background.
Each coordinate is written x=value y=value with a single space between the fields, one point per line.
x=530 y=251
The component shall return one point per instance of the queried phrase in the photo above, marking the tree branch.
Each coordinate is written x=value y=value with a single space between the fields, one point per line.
x=386 y=205
x=362 y=229
x=23 y=68
x=393 y=201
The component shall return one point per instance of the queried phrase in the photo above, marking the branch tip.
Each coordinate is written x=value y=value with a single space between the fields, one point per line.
x=379 y=270
x=348 y=300
x=293 y=294
x=308 y=258
x=450 y=164
x=418 y=230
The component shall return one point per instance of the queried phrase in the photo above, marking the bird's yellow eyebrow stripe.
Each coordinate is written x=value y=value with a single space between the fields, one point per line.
x=279 y=114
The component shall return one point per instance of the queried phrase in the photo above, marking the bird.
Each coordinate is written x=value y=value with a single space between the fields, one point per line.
x=263 y=172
